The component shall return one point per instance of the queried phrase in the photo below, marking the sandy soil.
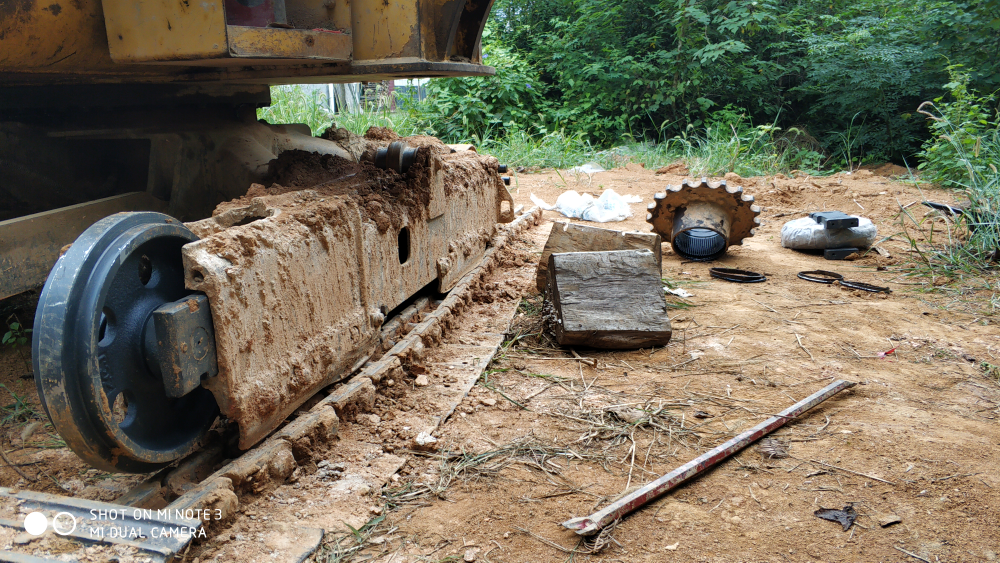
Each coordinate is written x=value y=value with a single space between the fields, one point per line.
x=915 y=441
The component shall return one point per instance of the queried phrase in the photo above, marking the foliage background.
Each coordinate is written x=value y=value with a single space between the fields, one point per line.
x=848 y=76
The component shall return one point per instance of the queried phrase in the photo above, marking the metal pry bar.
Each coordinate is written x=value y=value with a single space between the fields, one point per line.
x=592 y=524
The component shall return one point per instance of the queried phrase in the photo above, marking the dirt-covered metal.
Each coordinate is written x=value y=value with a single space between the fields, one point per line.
x=180 y=344
x=702 y=221
x=300 y=281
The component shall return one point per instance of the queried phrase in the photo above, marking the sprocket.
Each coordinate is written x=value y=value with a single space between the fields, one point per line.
x=700 y=220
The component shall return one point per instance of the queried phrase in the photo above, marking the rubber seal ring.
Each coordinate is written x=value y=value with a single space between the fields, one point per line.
x=736 y=276
x=865 y=287
x=821 y=276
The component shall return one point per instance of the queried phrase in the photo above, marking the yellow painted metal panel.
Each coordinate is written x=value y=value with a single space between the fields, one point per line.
x=55 y=35
x=276 y=43
x=385 y=29
x=165 y=30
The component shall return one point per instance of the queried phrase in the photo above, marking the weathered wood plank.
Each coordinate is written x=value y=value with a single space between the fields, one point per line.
x=573 y=237
x=30 y=245
x=610 y=299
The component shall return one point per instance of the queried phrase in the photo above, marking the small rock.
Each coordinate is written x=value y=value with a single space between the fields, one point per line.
x=374 y=419
x=23 y=538
x=489 y=401
x=421 y=381
x=425 y=441
x=363 y=489
x=73 y=486
x=673 y=547
x=323 y=463
x=390 y=382
x=470 y=555
x=375 y=510
x=888 y=520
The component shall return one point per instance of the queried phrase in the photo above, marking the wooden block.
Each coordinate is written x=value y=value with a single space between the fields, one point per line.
x=608 y=299
x=573 y=237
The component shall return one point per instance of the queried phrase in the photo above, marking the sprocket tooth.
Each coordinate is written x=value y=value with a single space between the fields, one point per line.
x=651 y=207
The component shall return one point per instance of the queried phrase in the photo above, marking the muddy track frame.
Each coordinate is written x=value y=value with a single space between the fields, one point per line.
x=275 y=459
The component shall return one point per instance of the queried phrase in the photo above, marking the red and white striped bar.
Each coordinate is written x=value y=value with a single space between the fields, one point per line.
x=592 y=524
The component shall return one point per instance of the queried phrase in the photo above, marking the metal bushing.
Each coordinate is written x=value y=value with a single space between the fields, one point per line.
x=700 y=220
x=397 y=157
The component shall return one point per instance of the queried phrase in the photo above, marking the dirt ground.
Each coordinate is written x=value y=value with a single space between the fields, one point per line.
x=547 y=436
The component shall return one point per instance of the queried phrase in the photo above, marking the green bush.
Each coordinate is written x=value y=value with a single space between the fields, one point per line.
x=963 y=130
x=464 y=109
x=16 y=334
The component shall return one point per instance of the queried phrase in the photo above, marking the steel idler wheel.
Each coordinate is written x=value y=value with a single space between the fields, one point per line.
x=88 y=347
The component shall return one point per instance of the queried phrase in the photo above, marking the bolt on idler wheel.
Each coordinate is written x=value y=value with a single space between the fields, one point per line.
x=90 y=355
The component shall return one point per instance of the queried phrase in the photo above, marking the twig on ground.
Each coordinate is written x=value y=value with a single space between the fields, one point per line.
x=588 y=361
x=539 y=392
x=955 y=475
x=6 y=460
x=632 y=465
x=547 y=542
x=914 y=555
x=849 y=471
x=804 y=349
x=766 y=306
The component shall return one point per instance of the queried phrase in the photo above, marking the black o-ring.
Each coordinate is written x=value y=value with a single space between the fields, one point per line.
x=865 y=287
x=821 y=276
x=736 y=276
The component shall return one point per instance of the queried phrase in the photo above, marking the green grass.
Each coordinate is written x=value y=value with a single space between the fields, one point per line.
x=712 y=151
x=293 y=104
x=18 y=411
x=968 y=252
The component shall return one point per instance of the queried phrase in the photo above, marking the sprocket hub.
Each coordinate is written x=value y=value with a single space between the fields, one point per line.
x=700 y=220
